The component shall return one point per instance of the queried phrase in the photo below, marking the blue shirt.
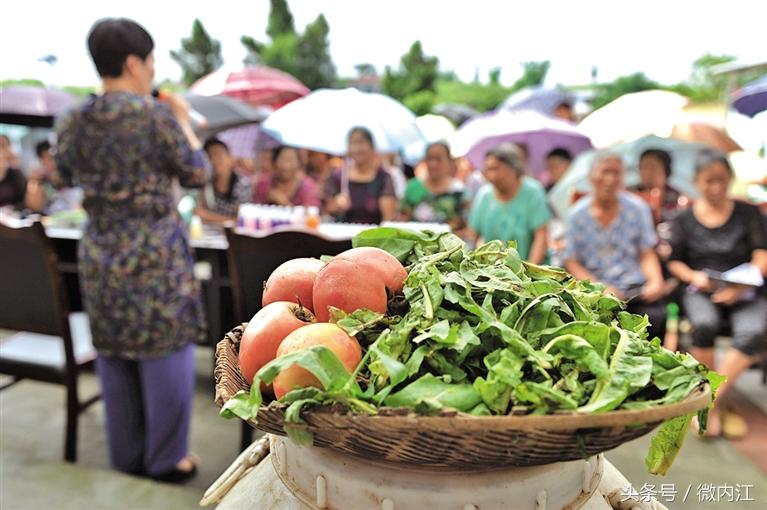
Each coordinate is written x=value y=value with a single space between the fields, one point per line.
x=611 y=253
x=516 y=219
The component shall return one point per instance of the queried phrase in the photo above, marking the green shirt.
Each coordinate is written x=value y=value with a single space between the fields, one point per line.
x=516 y=219
x=423 y=205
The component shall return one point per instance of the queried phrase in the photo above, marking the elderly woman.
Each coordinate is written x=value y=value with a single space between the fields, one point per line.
x=716 y=234
x=125 y=148
x=511 y=206
x=437 y=197
x=288 y=183
x=362 y=192
x=654 y=172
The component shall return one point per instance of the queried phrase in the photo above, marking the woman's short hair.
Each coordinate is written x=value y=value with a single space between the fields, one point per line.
x=707 y=157
x=112 y=40
x=663 y=156
x=282 y=148
x=440 y=143
x=212 y=142
x=365 y=132
x=509 y=154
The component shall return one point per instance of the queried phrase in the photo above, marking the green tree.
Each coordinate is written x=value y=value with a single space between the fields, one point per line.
x=199 y=54
x=636 y=82
x=417 y=72
x=494 y=76
x=314 y=63
x=533 y=74
x=305 y=56
x=280 y=20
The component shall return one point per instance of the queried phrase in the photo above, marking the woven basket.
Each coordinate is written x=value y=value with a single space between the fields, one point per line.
x=453 y=441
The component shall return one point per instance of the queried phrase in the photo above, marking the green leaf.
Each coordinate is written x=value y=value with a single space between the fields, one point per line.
x=433 y=390
x=666 y=444
x=319 y=360
x=628 y=373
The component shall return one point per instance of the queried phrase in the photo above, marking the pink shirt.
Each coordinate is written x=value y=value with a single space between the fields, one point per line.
x=306 y=194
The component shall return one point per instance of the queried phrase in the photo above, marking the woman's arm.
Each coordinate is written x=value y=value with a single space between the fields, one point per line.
x=688 y=275
x=208 y=216
x=388 y=206
x=538 y=246
x=653 y=289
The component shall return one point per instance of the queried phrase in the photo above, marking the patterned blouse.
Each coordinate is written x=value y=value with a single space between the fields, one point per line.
x=135 y=264
x=227 y=204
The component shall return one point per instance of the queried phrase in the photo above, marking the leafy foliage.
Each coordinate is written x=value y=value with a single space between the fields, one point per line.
x=417 y=73
x=304 y=55
x=199 y=54
x=486 y=333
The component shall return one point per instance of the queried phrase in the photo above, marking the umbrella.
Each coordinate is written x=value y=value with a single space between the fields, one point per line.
x=222 y=112
x=540 y=99
x=705 y=133
x=246 y=141
x=632 y=116
x=541 y=134
x=457 y=113
x=321 y=121
x=752 y=98
x=577 y=176
x=33 y=106
x=256 y=85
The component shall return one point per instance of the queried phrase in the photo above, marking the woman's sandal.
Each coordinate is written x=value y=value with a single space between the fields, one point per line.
x=734 y=426
x=178 y=475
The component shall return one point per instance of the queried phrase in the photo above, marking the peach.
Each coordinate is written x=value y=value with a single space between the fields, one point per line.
x=349 y=286
x=292 y=281
x=265 y=331
x=345 y=347
x=386 y=265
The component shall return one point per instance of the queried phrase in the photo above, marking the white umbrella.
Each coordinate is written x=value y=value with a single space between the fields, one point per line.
x=321 y=121
x=631 y=116
x=576 y=179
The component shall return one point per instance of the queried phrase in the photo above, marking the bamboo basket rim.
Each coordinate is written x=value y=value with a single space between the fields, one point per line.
x=454 y=420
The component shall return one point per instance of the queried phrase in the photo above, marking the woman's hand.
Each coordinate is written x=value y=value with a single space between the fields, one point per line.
x=700 y=280
x=729 y=295
x=615 y=292
x=178 y=106
x=278 y=197
x=652 y=291
x=342 y=202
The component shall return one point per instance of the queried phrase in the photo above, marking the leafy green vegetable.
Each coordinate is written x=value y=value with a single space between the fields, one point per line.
x=485 y=333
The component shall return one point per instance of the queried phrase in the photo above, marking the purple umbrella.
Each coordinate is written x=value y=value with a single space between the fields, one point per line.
x=33 y=106
x=540 y=134
x=751 y=98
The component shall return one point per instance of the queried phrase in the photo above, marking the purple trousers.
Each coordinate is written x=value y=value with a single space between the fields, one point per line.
x=148 y=408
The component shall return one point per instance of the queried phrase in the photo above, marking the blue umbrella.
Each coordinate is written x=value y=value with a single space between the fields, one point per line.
x=751 y=98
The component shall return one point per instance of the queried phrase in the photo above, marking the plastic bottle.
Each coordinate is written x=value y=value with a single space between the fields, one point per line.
x=195 y=228
x=671 y=341
x=312 y=217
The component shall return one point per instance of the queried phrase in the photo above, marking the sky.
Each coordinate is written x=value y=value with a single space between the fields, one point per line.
x=659 y=38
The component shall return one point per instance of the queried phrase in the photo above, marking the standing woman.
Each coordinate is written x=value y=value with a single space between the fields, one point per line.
x=363 y=191
x=716 y=234
x=124 y=148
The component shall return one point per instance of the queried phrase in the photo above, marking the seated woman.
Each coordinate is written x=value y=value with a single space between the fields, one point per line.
x=653 y=187
x=437 y=197
x=716 y=234
x=220 y=199
x=511 y=206
x=363 y=191
x=288 y=183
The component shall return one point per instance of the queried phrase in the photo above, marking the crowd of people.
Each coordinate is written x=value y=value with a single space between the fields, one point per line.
x=134 y=241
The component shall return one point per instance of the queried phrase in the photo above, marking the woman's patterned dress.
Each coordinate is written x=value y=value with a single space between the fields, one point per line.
x=135 y=264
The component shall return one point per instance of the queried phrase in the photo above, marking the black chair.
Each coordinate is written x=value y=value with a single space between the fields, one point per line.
x=252 y=259
x=52 y=345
